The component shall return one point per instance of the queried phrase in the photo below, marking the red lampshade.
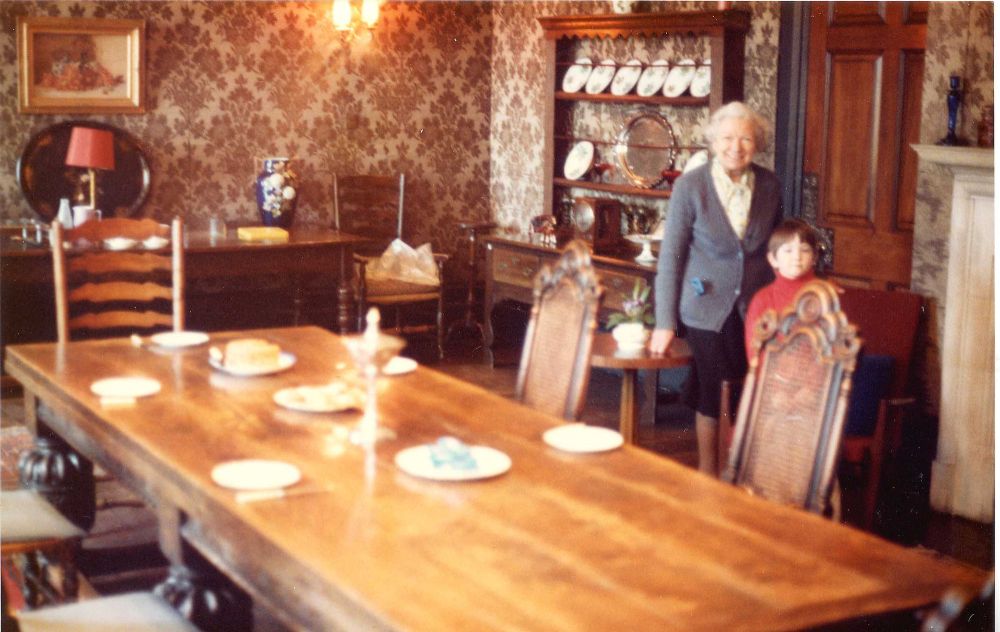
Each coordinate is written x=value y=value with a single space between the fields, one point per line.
x=91 y=148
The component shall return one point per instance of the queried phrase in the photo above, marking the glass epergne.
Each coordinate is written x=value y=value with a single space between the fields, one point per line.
x=371 y=351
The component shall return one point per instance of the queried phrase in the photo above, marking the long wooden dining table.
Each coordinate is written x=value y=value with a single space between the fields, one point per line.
x=617 y=540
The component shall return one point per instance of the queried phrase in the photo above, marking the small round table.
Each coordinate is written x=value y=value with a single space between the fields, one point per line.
x=606 y=355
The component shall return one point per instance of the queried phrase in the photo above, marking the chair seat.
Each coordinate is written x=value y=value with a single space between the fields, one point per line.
x=374 y=288
x=29 y=517
x=128 y=612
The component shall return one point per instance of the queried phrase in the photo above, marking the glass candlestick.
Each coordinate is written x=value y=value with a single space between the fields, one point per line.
x=371 y=351
x=954 y=102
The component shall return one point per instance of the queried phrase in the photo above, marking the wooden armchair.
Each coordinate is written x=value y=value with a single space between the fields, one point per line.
x=555 y=359
x=794 y=401
x=373 y=207
x=101 y=292
x=888 y=322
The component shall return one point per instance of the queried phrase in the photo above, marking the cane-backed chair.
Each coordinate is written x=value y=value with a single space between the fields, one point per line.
x=555 y=359
x=791 y=413
x=101 y=292
x=372 y=206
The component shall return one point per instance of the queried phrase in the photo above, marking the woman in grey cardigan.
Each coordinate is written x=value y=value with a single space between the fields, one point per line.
x=714 y=258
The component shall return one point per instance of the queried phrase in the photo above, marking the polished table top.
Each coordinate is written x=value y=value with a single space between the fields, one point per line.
x=618 y=540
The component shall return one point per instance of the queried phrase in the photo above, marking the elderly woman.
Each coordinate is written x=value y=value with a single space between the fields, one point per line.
x=714 y=258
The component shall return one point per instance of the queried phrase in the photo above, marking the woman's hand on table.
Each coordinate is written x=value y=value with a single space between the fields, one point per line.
x=660 y=341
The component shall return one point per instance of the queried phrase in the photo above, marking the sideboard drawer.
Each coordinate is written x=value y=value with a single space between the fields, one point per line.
x=617 y=286
x=514 y=268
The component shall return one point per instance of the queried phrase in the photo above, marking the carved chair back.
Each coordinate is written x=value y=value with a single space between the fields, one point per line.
x=555 y=359
x=103 y=292
x=791 y=413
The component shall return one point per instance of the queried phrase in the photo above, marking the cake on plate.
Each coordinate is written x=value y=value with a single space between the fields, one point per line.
x=251 y=354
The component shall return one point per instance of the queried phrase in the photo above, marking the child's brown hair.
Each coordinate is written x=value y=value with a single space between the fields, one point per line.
x=789 y=230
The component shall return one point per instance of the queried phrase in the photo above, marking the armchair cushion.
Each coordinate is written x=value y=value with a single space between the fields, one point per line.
x=870 y=385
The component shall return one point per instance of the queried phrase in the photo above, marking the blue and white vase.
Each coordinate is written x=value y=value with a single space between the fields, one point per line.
x=277 y=192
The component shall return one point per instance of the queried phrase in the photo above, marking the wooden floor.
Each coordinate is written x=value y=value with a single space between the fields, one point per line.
x=121 y=553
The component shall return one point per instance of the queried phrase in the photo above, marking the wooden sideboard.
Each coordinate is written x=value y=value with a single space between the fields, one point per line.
x=511 y=265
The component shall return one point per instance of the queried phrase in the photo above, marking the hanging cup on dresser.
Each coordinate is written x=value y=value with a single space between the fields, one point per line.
x=83 y=214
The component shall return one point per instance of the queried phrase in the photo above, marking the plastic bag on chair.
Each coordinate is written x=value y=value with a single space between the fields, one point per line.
x=401 y=262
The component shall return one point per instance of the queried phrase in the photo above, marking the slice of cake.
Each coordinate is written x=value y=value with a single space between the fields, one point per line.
x=251 y=354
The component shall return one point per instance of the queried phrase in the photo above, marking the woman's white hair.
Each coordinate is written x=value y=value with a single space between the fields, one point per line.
x=739 y=110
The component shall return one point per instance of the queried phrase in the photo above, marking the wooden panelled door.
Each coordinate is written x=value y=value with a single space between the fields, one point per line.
x=866 y=62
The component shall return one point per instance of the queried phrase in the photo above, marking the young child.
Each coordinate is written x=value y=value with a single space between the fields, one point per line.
x=791 y=251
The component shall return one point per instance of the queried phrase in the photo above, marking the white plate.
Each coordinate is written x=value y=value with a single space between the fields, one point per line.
x=119 y=243
x=679 y=78
x=178 y=339
x=582 y=438
x=579 y=160
x=601 y=76
x=285 y=361
x=125 y=387
x=577 y=74
x=701 y=84
x=626 y=77
x=154 y=242
x=652 y=78
x=416 y=461
x=255 y=474
x=696 y=160
x=399 y=366
x=323 y=398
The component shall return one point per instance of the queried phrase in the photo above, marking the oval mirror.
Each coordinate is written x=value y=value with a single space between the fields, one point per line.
x=646 y=148
x=45 y=178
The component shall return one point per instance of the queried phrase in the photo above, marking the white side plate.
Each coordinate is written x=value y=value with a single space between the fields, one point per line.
x=679 y=78
x=125 y=387
x=178 y=339
x=701 y=84
x=323 y=398
x=416 y=461
x=577 y=74
x=652 y=78
x=582 y=438
x=601 y=76
x=579 y=160
x=255 y=474
x=285 y=361
x=626 y=77
x=399 y=366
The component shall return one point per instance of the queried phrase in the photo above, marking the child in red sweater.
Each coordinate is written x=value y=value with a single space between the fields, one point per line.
x=791 y=251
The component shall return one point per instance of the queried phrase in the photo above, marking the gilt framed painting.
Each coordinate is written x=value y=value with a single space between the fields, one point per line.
x=80 y=66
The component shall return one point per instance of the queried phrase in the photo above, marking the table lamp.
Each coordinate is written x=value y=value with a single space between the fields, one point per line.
x=92 y=149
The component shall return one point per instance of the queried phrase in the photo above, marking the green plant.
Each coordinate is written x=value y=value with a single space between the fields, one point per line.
x=635 y=307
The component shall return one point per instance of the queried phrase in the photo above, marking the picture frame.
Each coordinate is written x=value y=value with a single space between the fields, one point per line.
x=80 y=65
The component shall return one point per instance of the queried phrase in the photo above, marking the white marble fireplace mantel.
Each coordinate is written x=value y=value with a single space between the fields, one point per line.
x=962 y=478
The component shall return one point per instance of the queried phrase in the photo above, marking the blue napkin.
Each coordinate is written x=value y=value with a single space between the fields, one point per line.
x=452 y=453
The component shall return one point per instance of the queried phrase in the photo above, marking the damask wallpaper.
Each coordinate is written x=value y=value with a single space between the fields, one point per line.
x=450 y=93
x=229 y=83
x=959 y=42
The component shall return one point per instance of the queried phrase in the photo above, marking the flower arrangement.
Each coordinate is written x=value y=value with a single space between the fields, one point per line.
x=278 y=189
x=635 y=308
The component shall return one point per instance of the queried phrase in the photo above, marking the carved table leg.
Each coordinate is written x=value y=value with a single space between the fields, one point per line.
x=62 y=476
x=210 y=605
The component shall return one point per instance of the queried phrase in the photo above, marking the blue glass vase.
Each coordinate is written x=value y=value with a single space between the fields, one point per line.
x=277 y=192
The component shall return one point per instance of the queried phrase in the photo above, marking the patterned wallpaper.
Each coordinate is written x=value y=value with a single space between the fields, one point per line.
x=231 y=82
x=959 y=42
x=519 y=93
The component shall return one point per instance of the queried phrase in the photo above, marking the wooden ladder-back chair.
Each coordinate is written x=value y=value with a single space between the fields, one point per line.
x=794 y=401
x=373 y=206
x=116 y=292
x=888 y=321
x=555 y=359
